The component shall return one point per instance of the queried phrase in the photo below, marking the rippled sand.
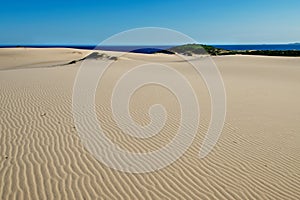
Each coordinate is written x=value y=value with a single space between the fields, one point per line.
x=42 y=157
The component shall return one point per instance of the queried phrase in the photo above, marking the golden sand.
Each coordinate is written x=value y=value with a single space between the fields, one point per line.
x=42 y=157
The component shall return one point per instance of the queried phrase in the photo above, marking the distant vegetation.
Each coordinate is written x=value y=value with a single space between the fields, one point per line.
x=93 y=56
x=96 y=55
x=292 y=53
x=199 y=49
x=189 y=49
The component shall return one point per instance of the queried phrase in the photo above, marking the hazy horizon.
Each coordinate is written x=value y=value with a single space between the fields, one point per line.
x=75 y=44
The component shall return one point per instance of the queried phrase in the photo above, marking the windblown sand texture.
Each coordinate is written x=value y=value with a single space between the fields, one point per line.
x=42 y=157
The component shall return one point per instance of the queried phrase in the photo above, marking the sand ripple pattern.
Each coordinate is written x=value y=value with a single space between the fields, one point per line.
x=257 y=156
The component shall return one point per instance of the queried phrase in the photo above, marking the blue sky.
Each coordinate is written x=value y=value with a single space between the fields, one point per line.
x=207 y=21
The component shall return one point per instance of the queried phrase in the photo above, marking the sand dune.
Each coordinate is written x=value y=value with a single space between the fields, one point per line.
x=42 y=156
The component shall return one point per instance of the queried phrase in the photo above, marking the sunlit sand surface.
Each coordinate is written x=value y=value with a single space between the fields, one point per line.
x=42 y=157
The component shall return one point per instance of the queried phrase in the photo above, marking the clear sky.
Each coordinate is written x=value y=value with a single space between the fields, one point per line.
x=207 y=21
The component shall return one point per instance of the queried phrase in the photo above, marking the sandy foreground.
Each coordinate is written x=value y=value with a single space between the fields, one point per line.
x=42 y=156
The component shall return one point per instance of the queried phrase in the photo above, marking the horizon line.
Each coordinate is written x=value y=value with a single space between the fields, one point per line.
x=74 y=44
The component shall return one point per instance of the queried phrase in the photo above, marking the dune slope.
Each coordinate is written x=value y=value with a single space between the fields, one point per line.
x=42 y=157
